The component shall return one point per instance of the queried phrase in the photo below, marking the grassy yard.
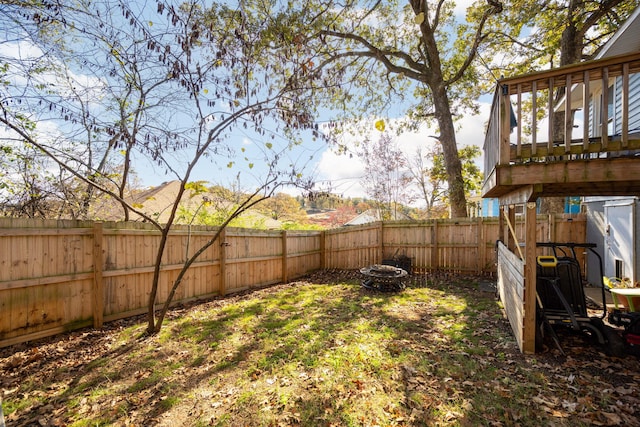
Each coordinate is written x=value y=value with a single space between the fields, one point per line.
x=319 y=352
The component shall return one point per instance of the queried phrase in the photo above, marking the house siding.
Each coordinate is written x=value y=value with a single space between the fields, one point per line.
x=634 y=104
x=615 y=114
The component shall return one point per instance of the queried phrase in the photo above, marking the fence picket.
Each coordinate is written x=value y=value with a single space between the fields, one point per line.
x=61 y=275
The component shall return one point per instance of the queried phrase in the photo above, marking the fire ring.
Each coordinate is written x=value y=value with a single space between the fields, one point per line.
x=383 y=278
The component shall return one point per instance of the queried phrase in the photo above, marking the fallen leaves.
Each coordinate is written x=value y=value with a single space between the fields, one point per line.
x=444 y=356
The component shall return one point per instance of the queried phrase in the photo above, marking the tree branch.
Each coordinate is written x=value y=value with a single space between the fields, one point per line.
x=78 y=175
x=495 y=8
x=414 y=69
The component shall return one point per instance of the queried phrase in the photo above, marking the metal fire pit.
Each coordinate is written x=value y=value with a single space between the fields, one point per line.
x=383 y=278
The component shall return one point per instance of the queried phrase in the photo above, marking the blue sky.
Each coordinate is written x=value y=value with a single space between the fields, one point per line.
x=339 y=173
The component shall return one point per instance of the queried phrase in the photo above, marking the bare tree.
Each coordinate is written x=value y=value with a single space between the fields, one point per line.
x=429 y=175
x=431 y=187
x=386 y=177
x=167 y=84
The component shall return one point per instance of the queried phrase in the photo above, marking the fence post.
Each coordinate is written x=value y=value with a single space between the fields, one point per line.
x=434 y=245
x=284 y=257
x=381 y=246
x=98 y=286
x=323 y=250
x=223 y=262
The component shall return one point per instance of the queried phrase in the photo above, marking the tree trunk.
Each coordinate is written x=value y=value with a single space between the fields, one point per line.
x=570 y=52
x=552 y=205
x=570 y=46
x=457 y=198
x=152 y=328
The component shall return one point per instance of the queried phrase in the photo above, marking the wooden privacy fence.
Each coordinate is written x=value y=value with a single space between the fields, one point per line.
x=57 y=276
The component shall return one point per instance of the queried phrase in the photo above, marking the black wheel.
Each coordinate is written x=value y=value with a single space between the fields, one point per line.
x=369 y=284
x=615 y=345
x=593 y=330
x=539 y=333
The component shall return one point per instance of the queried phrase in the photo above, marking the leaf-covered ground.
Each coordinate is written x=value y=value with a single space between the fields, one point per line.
x=319 y=352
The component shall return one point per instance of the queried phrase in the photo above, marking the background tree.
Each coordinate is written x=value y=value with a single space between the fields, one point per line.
x=39 y=84
x=166 y=84
x=431 y=187
x=321 y=200
x=386 y=178
x=361 y=205
x=212 y=206
x=32 y=79
x=284 y=208
x=25 y=183
x=341 y=216
x=471 y=173
x=429 y=175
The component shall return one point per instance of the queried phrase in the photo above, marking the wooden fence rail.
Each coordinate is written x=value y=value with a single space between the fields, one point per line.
x=57 y=276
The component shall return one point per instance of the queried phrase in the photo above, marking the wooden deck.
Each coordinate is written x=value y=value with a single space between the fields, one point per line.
x=533 y=148
x=616 y=176
x=523 y=163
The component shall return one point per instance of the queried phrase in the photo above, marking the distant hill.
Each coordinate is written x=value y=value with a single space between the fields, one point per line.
x=157 y=202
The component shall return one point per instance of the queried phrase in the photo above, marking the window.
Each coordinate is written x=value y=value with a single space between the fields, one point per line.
x=620 y=269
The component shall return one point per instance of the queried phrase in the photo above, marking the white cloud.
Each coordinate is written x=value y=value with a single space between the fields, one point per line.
x=58 y=76
x=341 y=174
x=22 y=49
x=471 y=129
x=461 y=7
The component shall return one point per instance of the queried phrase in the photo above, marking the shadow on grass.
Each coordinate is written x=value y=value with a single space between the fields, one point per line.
x=355 y=356
x=321 y=351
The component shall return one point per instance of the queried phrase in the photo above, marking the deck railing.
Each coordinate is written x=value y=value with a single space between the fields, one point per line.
x=603 y=97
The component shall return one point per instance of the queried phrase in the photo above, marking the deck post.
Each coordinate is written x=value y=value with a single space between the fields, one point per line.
x=550 y=116
x=519 y=126
x=625 y=105
x=586 y=127
x=534 y=112
x=604 y=125
x=504 y=128
x=568 y=115
x=529 y=303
